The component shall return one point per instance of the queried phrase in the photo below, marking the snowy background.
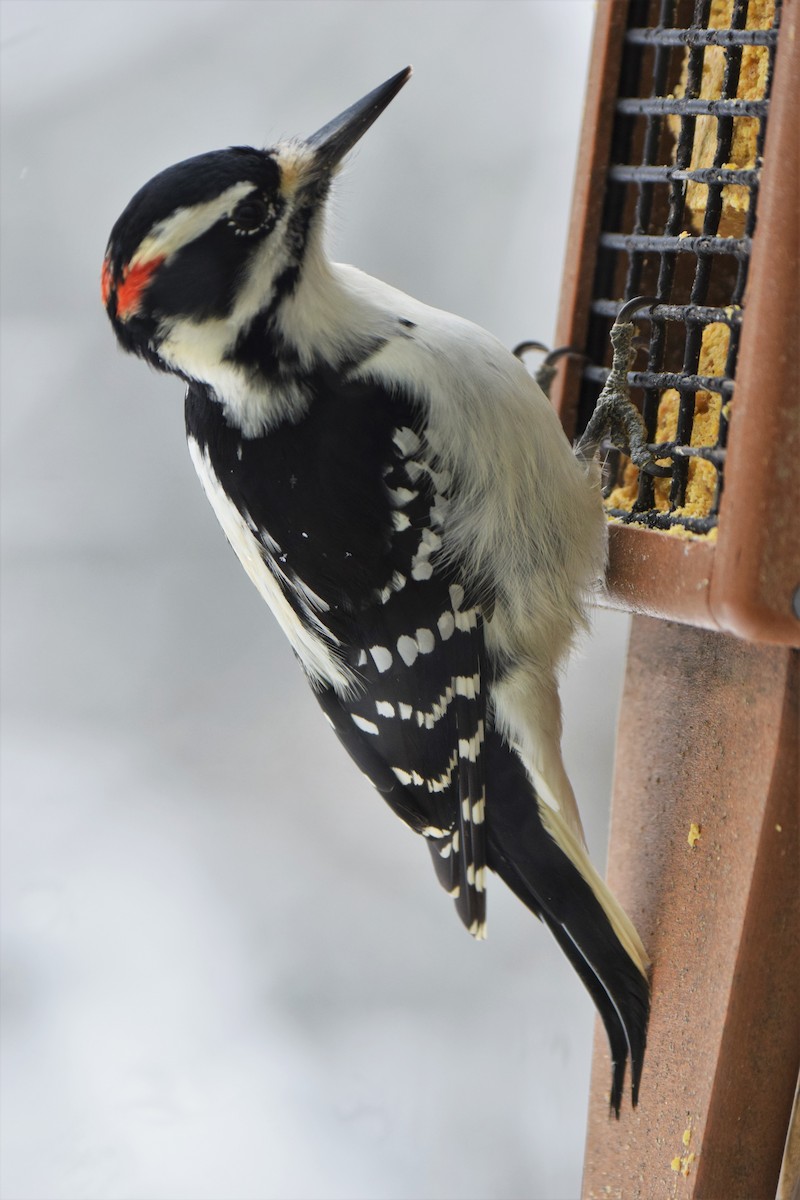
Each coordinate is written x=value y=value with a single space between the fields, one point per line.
x=228 y=970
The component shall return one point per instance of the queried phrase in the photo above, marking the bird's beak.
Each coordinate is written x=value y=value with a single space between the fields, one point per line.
x=332 y=142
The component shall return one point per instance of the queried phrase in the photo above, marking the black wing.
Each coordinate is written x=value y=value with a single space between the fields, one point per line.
x=416 y=722
x=346 y=508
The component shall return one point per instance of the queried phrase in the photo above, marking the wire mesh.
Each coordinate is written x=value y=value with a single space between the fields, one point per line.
x=678 y=218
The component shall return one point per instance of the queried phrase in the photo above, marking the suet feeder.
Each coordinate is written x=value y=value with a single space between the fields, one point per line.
x=687 y=190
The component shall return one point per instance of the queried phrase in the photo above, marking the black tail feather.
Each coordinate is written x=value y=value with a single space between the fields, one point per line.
x=621 y=996
x=545 y=879
x=622 y=1004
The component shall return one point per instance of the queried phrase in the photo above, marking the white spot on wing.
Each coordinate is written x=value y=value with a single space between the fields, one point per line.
x=381 y=657
x=364 y=724
x=469 y=748
x=446 y=625
x=468 y=685
x=407 y=777
x=425 y=641
x=408 y=649
x=402 y=496
x=438 y=512
x=395 y=584
x=440 y=783
x=406 y=440
x=456 y=595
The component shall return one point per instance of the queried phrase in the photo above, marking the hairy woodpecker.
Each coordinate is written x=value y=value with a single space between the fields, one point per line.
x=401 y=493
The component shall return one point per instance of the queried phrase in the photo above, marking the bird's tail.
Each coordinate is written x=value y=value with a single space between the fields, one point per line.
x=547 y=867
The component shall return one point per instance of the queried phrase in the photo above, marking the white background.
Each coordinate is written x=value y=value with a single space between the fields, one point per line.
x=228 y=969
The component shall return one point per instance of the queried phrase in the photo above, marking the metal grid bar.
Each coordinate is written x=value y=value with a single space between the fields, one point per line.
x=673 y=135
x=701 y=313
x=704 y=244
x=655 y=174
x=665 y=106
x=699 y=37
x=663 y=380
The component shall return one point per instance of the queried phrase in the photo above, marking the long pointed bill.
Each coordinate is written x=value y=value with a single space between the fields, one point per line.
x=333 y=141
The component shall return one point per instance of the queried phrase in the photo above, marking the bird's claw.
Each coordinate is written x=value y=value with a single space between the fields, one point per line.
x=615 y=416
x=545 y=372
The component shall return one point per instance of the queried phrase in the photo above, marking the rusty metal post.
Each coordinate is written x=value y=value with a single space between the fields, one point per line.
x=705 y=856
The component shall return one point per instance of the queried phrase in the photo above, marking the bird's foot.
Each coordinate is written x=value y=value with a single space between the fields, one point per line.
x=616 y=417
x=546 y=371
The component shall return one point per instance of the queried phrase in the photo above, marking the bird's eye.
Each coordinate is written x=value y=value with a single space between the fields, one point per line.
x=250 y=215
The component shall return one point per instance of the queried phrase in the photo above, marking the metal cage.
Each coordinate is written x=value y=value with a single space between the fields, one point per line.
x=685 y=192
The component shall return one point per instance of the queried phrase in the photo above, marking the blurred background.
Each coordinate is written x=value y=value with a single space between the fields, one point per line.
x=228 y=969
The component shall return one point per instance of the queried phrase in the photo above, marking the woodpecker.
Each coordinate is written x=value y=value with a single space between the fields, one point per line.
x=401 y=493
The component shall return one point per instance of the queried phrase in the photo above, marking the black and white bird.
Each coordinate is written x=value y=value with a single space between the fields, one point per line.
x=402 y=495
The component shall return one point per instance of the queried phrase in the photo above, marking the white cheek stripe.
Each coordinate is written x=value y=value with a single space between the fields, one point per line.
x=317 y=658
x=185 y=225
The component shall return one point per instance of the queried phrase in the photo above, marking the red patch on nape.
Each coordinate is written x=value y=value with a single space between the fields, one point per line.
x=105 y=281
x=134 y=281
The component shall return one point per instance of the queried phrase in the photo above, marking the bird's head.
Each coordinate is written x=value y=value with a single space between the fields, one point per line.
x=213 y=241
